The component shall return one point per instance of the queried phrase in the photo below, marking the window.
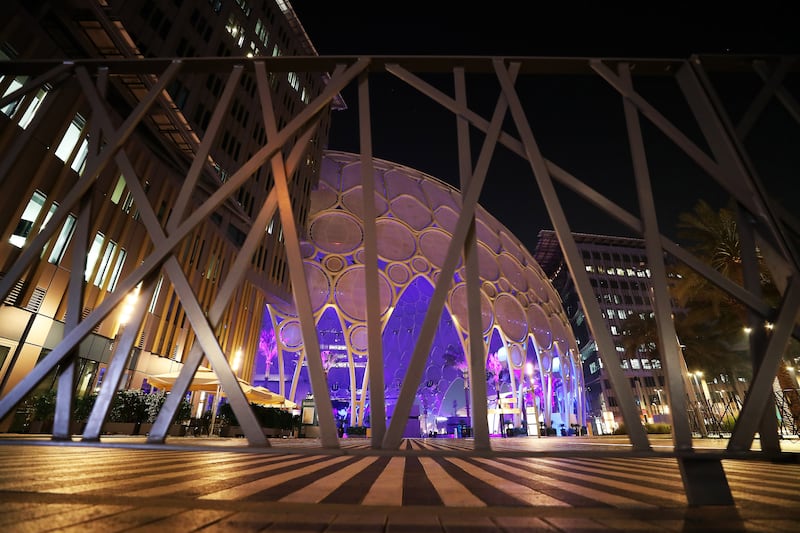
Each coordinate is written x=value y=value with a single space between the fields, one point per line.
x=112 y=285
x=57 y=254
x=635 y=364
x=103 y=268
x=94 y=253
x=152 y=307
x=30 y=112
x=119 y=188
x=29 y=215
x=70 y=139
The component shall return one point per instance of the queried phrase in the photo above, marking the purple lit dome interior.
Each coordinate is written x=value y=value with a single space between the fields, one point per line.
x=524 y=325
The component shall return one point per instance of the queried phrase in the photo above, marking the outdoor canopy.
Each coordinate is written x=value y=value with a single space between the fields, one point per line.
x=206 y=380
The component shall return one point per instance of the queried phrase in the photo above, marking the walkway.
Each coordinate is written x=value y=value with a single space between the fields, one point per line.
x=433 y=485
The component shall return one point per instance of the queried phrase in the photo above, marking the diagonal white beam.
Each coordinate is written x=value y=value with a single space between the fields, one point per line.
x=761 y=388
x=469 y=200
x=302 y=298
x=374 y=326
x=662 y=303
x=156 y=258
x=88 y=178
x=476 y=355
x=575 y=264
x=200 y=159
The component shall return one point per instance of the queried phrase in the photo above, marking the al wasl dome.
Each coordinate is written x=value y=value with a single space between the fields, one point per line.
x=525 y=330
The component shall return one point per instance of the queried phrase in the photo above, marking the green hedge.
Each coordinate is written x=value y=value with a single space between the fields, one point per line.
x=655 y=429
x=268 y=417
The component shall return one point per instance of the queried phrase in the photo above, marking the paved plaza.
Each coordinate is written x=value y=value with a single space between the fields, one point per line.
x=430 y=485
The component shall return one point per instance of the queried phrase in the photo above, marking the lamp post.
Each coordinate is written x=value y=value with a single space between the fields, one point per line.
x=529 y=372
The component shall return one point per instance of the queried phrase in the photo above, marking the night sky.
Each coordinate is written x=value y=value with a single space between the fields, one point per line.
x=578 y=124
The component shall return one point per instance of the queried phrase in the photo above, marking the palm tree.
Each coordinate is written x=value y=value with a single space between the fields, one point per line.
x=716 y=316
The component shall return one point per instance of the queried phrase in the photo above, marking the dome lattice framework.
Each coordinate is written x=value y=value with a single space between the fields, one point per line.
x=522 y=317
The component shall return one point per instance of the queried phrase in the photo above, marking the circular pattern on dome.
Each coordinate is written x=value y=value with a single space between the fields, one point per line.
x=336 y=232
x=353 y=201
x=351 y=176
x=516 y=355
x=487 y=263
x=539 y=325
x=291 y=335
x=395 y=240
x=489 y=289
x=307 y=250
x=323 y=198
x=510 y=316
x=523 y=300
x=399 y=183
x=512 y=270
x=438 y=195
x=537 y=285
x=420 y=264
x=511 y=246
x=504 y=285
x=411 y=211
x=559 y=333
x=546 y=361
x=487 y=235
x=334 y=263
x=319 y=287
x=446 y=218
x=358 y=339
x=458 y=306
x=398 y=273
x=351 y=295
x=433 y=244
x=359 y=256
x=566 y=365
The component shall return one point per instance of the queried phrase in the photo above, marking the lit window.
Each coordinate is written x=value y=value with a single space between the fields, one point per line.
x=62 y=241
x=614 y=330
x=25 y=224
x=70 y=138
x=30 y=112
x=16 y=83
x=119 y=188
x=624 y=364
x=154 y=299
x=103 y=268
x=589 y=268
x=621 y=313
x=94 y=253
x=635 y=364
x=646 y=364
x=112 y=285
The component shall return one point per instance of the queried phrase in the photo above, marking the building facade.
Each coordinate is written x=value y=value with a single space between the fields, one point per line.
x=619 y=276
x=44 y=141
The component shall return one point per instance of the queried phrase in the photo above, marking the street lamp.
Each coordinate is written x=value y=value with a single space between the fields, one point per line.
x=529 y=373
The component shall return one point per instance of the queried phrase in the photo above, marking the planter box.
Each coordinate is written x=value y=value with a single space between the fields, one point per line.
x=119 y=428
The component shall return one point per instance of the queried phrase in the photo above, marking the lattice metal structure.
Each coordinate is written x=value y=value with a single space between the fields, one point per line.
x=721 y=155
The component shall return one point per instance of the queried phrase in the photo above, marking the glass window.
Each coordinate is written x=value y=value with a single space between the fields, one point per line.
x=29 y=215
x=71 y=138
x=112 y=285
x=119 y=188
x=57 y=254
x=94 y=253
x=103 y=268
x=30 y=112
x=635 y=364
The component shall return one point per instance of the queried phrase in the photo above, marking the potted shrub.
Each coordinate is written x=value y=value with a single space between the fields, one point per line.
x=43 y=411
x=128 y=411
x=154 y=402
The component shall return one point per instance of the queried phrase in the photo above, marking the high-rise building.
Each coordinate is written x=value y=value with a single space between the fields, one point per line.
x=44 y=146
x=618 y=272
